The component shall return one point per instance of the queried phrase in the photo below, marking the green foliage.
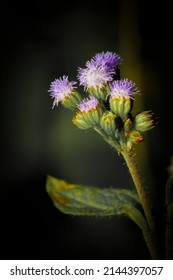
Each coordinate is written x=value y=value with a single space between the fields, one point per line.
x=92 y=201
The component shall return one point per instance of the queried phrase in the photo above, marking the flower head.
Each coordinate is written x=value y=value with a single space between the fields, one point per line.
x=108 y=59
x=88 y=104
x=123 y=88
x=61 y=89
x=94 y=76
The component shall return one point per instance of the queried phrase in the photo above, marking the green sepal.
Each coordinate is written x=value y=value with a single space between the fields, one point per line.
x=121 y=106
x=144 y=121
x=99 y=93
x=92 y=117
x=136 y=137
x=72 y=100
x=107 y=123
x=79 y=121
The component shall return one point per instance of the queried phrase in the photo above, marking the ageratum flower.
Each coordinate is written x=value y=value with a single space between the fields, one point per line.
x=121 y=95
x=98 y=74
x=107 y=123
x=123 y=88
x=109 y=60
x=90 y=111
x=63 y=91
x=88 y=104
x=94 y=77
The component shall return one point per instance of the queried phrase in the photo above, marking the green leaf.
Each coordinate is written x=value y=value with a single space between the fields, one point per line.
x=92 y=201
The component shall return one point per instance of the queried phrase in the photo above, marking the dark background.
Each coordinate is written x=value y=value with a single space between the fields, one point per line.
x=41 y=42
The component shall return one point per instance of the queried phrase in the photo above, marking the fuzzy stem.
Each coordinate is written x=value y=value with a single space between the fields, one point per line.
x=150 y=238
x=137 y=217
x=108 y=139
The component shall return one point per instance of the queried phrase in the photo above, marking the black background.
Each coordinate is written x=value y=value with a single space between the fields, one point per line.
x=40 y=42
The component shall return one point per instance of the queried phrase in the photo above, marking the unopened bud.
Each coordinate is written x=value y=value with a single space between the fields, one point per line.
x=121 y=106
x=107 y=123
x=144 y=121
x=136 y=137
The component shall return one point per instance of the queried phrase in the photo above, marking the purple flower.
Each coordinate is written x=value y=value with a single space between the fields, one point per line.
x=88 y=104
x=123 y=88
x=60 y=89
x=108 y=59
x=94 y=76
x=99 y=70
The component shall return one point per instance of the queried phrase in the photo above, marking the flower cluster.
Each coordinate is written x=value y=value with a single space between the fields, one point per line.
x=109 y=104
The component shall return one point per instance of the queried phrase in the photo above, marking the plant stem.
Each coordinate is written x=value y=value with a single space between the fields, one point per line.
x=151 y=236
x=136 y=216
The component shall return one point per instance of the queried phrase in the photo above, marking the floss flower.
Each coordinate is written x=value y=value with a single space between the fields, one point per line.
x=95 y=79
x=88 y=104
x=109 y=60
x=64 y=92
x=90 y=111
x=123 y=88
x=99 y=73
x=121 y=94
x=107 y=110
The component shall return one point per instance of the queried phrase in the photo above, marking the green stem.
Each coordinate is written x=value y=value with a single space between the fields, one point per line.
x=107 y=138
x=136 y=216
x=151 y=236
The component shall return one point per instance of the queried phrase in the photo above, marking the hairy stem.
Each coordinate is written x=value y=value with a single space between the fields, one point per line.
x=151 y=236
x=136 y=216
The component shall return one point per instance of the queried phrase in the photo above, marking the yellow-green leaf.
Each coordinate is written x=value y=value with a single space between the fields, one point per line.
x=93 y=201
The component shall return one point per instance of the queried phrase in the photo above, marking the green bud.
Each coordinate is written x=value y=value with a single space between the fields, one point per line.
x=127 y=127
x=107 y=123
x=121 y=105
x=72 y=100
x=99 y=93
x=144 y=121
x=127 y=124
x=136 y=137
x=92 y=117
x=79 y=121
x=129 y=145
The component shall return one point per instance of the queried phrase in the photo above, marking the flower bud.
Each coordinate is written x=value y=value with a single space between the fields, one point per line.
x=136 y=137
x=121 y=106
x=79 y=121
x=127 y=127
x=107 y=123
x=91 y=110
x=129 y=145
x=144 y=121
